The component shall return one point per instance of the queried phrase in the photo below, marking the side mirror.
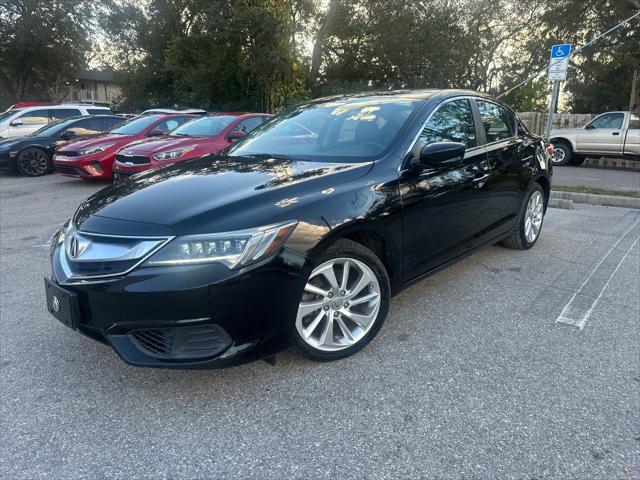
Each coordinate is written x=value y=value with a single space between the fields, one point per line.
x=236 y=135
x=588 y=126
x=155 y=133
x=16 y=123
x=68 y=135
x=441 y=155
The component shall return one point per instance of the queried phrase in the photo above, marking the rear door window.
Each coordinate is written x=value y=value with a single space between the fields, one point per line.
x=98 y=111
x=498 y=122
x=60 y=113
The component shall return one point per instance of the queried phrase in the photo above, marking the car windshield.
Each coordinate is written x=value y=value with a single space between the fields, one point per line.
x=351 y=129
x=53 y=128
x=7 y=114
x=134 y=126
x=205 y=127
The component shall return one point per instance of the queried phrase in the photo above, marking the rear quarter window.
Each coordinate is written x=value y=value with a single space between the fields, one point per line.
x=498 y=122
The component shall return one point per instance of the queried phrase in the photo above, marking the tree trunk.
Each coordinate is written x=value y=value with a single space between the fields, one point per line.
x=318 y=45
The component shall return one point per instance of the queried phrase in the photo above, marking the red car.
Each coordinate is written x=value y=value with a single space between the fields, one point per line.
x=200 y=137
x=94 y=157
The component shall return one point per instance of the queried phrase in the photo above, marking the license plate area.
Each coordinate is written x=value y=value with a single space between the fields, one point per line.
x=62 y=304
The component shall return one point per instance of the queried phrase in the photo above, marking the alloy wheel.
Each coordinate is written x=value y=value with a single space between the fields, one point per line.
x=533 y=217
x=340 y=303
x=33 y=162
x=558 y=155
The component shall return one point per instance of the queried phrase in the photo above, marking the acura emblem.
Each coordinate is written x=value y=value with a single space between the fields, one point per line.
x=55 y=303
x=77 y=245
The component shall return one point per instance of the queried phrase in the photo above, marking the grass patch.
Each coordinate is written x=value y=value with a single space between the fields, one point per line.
x=597 y=191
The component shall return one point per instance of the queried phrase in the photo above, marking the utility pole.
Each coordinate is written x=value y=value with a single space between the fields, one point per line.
x=634 y=86
x=552 y=108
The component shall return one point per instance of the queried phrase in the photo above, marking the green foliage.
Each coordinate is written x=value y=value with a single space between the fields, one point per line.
x=42 y=47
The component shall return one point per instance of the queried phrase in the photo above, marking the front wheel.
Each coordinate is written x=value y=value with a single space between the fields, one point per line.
x=530 y=222
x=33 y=162
x=561 y=154
x=344 y=303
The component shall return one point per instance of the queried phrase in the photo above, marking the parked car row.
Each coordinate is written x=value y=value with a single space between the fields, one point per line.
x=89 y=146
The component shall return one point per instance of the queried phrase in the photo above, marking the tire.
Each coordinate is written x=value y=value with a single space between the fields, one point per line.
x=327 y=309
x=577 y=160
x=522 y=239
x=561 y=154
x=33 y=162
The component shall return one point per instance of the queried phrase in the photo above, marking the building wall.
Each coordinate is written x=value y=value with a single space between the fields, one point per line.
x=104 y=93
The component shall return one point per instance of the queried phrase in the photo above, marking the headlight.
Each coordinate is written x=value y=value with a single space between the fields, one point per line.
x=172 y=154
x=58 y=237
x=231 y=249
x=96 y=149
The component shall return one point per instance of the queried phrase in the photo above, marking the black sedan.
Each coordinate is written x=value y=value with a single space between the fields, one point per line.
x=31 y=155
x=301 y=233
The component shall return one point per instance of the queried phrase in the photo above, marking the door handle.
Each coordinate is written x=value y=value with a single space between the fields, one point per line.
x=615 y=133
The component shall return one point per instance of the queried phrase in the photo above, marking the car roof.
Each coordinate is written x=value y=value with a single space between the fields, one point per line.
x=419 y=94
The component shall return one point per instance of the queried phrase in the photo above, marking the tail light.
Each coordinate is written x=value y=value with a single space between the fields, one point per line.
x=549 y=149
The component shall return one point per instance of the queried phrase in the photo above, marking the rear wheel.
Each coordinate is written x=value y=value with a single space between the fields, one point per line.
x=561 y=154
x=33 y=162
x=344 y=303
x=530 y=222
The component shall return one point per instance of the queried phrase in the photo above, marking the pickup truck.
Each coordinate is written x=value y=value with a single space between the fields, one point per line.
x=611 y=134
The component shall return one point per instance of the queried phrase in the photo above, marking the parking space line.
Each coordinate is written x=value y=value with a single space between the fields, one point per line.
x=564 y=316
x=584 y=319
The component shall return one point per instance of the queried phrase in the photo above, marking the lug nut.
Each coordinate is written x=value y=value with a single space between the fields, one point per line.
x=330 y=295
x=325 y=308
x=336 y=314
x=342 y=293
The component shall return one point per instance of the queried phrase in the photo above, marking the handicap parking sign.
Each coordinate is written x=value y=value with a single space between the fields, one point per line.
x=559 y=61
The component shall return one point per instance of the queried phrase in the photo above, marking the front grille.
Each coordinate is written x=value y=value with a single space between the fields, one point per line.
x=69 y=154
x=133 y=159
x=158 y=342
x=182 y=343
x=88 y=255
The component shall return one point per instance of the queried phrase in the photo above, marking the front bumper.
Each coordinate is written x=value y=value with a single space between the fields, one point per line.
x=7 y=160
x=203 y=316
x=98 y=165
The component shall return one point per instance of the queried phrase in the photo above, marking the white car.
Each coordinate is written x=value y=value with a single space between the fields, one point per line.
x=22 y=121
x=191 y=111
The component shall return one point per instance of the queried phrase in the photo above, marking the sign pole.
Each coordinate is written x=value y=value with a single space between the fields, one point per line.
x=552 y=108
x=558 y=64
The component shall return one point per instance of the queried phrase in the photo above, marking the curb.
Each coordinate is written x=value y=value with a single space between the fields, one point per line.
x=591 y=199
x=613 y=163
x=560 y=203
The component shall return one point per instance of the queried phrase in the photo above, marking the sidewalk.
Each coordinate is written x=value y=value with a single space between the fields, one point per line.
x=597 y=177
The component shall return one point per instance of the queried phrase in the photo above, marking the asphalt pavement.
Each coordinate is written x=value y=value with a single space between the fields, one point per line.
x=509 y=364
x=606 y=178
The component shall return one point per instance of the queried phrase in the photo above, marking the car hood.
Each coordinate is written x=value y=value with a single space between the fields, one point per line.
x=213 y=194
x=163 y=144
x=85 y=142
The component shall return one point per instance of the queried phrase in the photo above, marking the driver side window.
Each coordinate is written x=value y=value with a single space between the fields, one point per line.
x=452 y=122
x=608 y=120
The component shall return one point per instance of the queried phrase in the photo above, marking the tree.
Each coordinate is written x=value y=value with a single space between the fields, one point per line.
x=42 y=47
